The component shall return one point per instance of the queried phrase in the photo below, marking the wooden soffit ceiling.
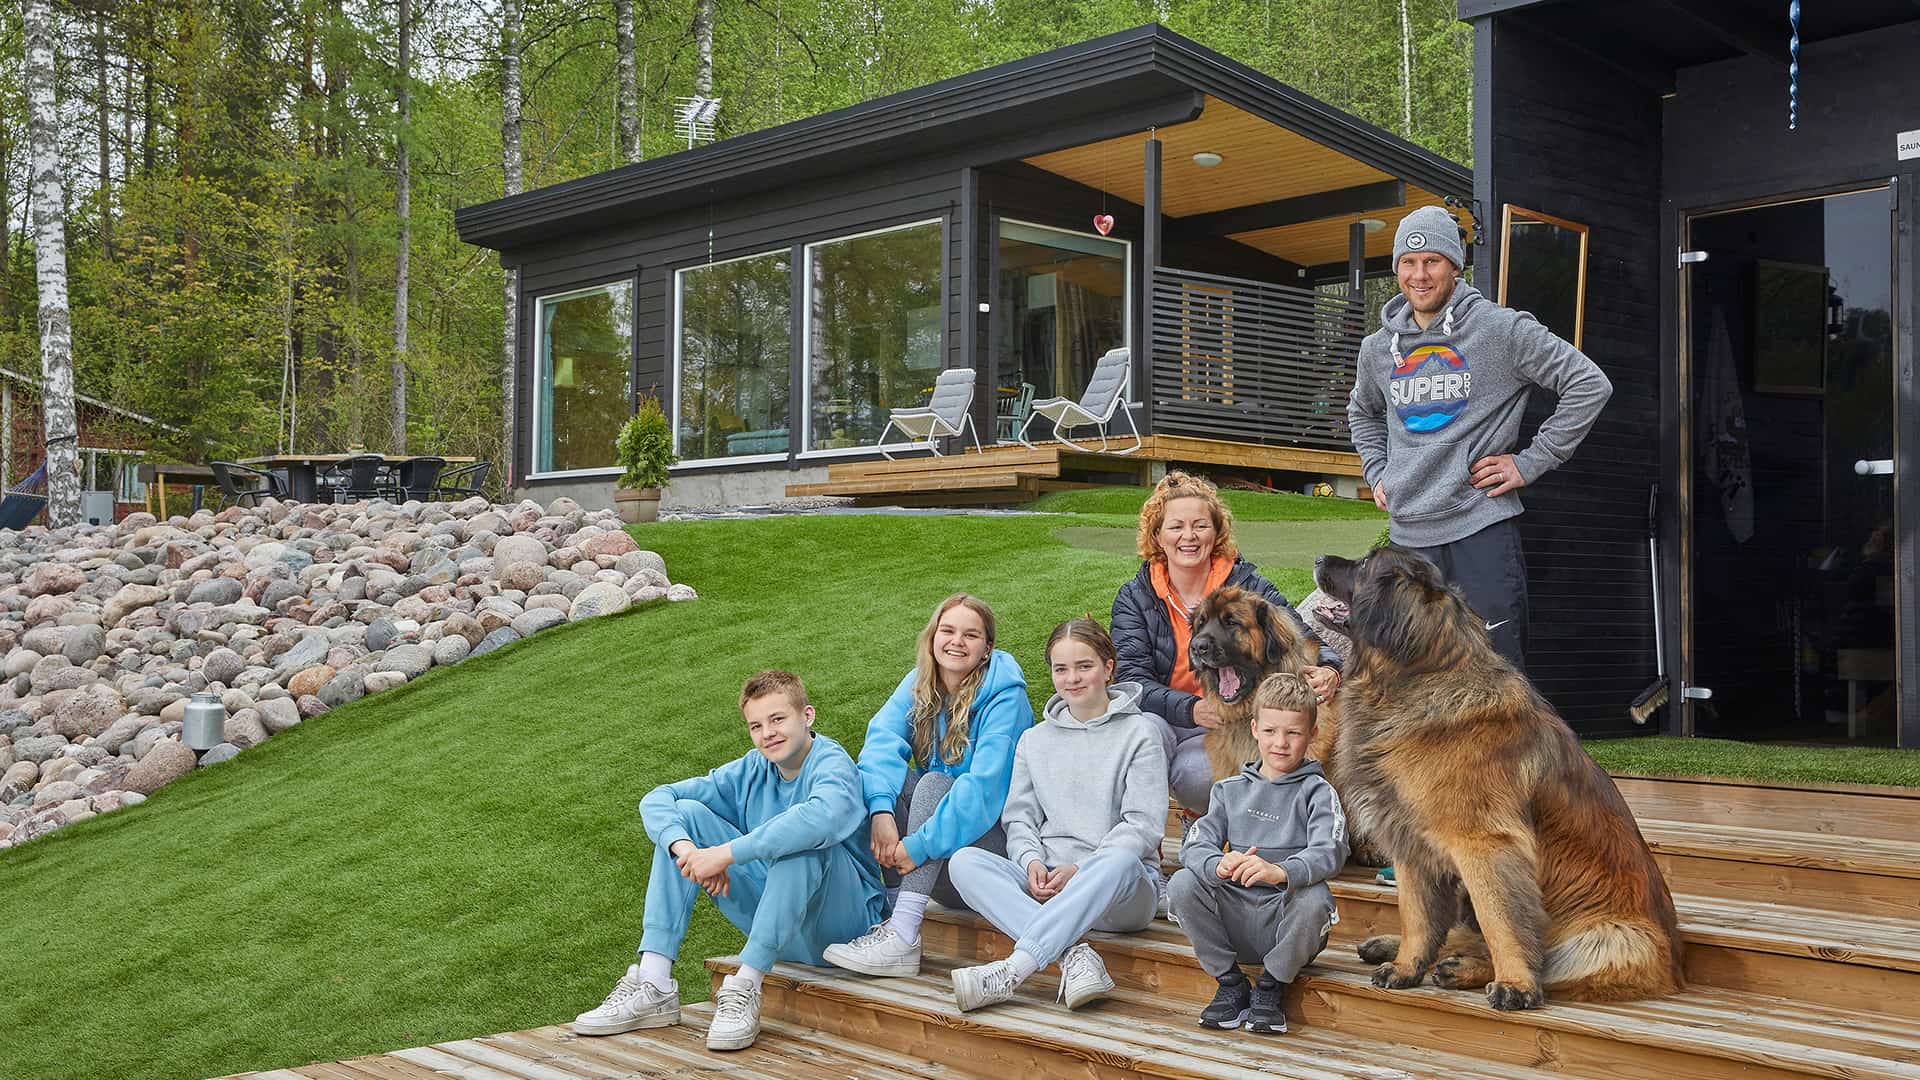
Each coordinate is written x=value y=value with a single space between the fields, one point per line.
x=1261 y=162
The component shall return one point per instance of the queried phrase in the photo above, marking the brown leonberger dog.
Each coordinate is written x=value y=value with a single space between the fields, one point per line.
x=1238 y=640
x=1519 y=866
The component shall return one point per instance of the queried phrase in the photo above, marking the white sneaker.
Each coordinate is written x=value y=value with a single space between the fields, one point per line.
x=879 y=951
x=983 y=984
x=634 y=1003
x=1083 y=977
x=736 y=1017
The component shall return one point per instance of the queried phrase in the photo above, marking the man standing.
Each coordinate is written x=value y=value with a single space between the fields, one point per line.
x=1435 y=415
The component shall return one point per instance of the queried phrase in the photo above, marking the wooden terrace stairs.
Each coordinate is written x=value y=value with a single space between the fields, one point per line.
x=1015 y=474
x=1800 y=908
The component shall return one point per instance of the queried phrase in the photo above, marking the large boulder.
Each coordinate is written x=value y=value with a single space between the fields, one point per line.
x=278 y=714
x=166 y=762
x=39 y=748
x=84 y=644
x=244 y=729
x=599 y=598
x=131 y=598
x=223 y=665
x=452 y=649
x=615 y=543
x=310 y=680
x=52 y=577
x=306 y=653
x=514 y=550
x=88 y=713
x=348 y=685
x=409 y=660
x=538 y=619
x=217 y=591
x=505 y=635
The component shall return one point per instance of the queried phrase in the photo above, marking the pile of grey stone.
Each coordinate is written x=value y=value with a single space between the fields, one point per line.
x=284 y=611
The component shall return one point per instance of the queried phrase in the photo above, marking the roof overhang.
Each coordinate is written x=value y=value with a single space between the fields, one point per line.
x=1065 y=111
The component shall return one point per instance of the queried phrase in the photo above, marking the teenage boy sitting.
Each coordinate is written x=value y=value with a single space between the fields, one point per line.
x=1252 y=885
x=778 y=838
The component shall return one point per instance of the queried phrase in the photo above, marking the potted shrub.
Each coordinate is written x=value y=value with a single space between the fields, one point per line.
x=645 y=450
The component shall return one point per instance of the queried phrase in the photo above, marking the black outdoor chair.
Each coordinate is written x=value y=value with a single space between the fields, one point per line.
x=364 y=476
x=420 y=478
x=465 y=481
x=230 y=477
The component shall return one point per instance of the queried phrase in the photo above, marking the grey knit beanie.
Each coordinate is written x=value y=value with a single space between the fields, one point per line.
x=1429 y=228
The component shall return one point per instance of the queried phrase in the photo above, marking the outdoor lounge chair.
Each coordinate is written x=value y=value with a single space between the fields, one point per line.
x=23 y=504
x=464 y=481
x=946 y=414
x=1105 y=397
x=230 y=477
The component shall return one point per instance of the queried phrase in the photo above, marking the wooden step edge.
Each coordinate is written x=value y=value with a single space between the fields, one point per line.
x=1830 y=943
x=1808 y=851
x=1699 y=1038
x=1779 y=785
x=1131 y=1030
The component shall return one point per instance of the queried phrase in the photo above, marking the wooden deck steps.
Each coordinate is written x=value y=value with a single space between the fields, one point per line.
x=1132 y=1033
x=1705 y=1032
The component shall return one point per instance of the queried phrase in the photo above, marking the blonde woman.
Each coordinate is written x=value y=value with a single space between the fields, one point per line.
x=1187 y=551
x=935 y=770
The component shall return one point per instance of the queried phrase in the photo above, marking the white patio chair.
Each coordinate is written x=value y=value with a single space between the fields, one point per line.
x=1105 y=396
x=947 y=414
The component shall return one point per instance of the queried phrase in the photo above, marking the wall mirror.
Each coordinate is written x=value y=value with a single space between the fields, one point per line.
x=1543 y=269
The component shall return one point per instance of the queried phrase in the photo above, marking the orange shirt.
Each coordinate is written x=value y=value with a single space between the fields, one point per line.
x=1183 y=677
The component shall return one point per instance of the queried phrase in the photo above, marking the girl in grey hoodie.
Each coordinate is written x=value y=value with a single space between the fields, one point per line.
x=1084 y=816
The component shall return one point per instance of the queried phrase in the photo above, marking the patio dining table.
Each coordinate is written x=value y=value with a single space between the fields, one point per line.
x=303 y=470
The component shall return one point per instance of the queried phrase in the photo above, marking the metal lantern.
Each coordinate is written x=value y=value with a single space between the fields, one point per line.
x=205 y=725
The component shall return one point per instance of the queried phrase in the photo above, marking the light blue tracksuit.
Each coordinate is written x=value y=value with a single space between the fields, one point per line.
x=1000 y=713
x=802 y=877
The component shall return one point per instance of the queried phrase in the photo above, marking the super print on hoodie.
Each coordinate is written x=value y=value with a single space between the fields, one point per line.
x=1427 y=404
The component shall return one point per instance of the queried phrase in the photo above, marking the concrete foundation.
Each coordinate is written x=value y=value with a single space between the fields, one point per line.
x=753 y=487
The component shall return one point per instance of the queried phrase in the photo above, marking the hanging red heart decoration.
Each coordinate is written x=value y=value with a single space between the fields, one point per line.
x=1103 y=223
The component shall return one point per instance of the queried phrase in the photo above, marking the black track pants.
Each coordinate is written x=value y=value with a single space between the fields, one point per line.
x=1491 y=570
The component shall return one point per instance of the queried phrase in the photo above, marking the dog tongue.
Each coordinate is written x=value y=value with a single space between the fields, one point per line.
x=1229 y=682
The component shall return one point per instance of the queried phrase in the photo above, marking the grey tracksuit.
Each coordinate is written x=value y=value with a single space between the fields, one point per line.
x=1297 y=823
x=1091 y=793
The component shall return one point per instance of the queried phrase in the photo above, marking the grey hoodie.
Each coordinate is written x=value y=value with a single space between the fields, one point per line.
x=1079 y=787
x=1427 y=404
x=1295 y=821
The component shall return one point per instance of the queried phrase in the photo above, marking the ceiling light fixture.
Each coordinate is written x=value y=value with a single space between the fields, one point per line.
x=1207 y=159
x=1372 y=224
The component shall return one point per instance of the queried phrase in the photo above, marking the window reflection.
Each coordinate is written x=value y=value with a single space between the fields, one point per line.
x=876 y=323
x=735 y=342
x=583 y=389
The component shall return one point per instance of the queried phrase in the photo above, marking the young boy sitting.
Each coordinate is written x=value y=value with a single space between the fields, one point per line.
x=1252 y=885
x=778 y=838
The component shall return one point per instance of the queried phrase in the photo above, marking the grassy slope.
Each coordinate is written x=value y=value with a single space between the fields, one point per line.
x=462 y=855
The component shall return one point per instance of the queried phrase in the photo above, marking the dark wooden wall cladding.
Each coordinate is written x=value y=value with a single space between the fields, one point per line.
x=1558 y=132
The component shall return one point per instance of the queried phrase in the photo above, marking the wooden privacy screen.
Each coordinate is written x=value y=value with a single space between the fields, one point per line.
x=1248 y=361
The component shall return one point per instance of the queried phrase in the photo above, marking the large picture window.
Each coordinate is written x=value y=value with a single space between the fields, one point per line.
x=583 y=388
x=735 y=327
x=875 y=330
x=1062 y=303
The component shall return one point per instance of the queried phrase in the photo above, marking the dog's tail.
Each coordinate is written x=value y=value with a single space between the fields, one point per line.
x=1612 y=961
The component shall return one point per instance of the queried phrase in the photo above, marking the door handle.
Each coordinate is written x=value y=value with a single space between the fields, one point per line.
x=1880 y=467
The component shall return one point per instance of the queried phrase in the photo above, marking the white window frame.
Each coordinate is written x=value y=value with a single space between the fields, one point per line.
x=539 y=328
x=673 y=376
x=806 y=330
x=1127 y=290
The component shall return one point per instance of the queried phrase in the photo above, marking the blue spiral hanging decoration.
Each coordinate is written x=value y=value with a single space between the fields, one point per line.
x=1793 y=67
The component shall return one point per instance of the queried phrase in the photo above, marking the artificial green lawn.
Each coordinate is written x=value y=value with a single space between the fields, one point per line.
x=461 y=856
x=1662 y=755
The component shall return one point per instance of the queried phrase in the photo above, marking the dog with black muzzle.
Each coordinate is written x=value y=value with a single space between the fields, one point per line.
x=1238 y=640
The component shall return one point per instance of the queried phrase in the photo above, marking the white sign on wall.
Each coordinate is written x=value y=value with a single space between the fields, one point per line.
x=1908 y=144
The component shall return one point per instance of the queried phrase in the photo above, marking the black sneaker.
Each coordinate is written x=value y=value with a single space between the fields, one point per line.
x=1229 y=1007
x=1264 y=1014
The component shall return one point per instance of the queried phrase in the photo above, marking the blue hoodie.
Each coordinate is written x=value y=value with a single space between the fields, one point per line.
x=1000 y=713
x=779 y=817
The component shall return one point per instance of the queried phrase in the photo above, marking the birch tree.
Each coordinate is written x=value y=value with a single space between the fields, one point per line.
x=50 y=259
x=1406 y=73
x=627 y=104
x=510 y=160
x=703 y=48
x=401 y=210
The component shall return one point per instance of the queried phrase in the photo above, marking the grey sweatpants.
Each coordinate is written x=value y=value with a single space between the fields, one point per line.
x=1230 y=924
x=1112 y=890
x=918 y=796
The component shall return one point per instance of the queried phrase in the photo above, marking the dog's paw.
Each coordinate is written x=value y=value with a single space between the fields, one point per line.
x=1508 y=996
x=1462 y=972
x=1379 y=949
x=1368 y=855
x=1391 y=977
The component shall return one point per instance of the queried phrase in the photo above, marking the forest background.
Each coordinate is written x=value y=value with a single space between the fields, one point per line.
x=234 y=205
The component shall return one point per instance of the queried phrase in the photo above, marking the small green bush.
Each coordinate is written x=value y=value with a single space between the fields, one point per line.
x=1384 y=538
x=645 y=447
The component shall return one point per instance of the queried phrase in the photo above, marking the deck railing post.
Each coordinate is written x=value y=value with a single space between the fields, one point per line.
x=1149 y=262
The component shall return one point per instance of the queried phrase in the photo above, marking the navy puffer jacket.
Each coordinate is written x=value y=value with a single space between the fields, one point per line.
x=1143 y=637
